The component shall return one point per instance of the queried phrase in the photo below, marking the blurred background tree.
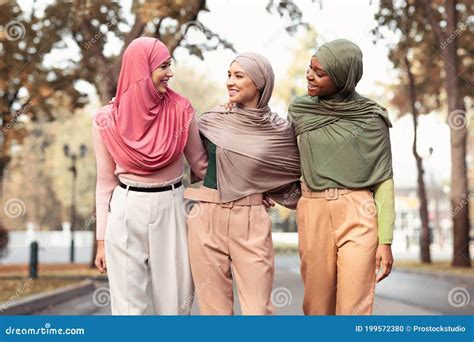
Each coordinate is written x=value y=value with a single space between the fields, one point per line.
x=430 y=46
x=294 y=82
x=202 y=92
x=27 y=87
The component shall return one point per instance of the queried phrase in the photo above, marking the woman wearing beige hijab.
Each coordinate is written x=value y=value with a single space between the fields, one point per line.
x=252 y=153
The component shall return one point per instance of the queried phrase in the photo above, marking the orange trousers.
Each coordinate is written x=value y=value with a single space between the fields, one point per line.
x=226 y=240
x=337 y=243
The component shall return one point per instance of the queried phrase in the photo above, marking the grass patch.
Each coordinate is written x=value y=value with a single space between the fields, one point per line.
x=13 y=289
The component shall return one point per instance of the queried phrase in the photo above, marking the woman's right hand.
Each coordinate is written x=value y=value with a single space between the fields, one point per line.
x=268 y=202
x=100 y=257
x=228 y=106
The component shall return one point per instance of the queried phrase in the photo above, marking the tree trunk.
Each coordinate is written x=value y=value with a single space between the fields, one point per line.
x=3 y=166
x=425 y=254
x=458 y=127
x=94 y=252
x=4 y=157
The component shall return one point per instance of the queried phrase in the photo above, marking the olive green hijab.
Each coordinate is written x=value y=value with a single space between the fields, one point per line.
x=344 y=140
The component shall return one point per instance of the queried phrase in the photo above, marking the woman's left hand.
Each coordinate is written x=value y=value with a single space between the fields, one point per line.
x=268 y=202
x=383 y=256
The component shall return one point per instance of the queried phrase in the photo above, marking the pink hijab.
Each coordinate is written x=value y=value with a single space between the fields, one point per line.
x=143 y=129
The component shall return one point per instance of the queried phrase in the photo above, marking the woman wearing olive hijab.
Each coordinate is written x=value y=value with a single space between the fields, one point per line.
x=251 y=153
x=346 y=168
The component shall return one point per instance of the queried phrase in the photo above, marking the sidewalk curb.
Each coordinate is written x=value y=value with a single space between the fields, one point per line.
x=40 y=301
x=439 y=274
x=98 y=277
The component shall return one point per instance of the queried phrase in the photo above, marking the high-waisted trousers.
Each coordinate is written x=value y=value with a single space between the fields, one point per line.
x=147 y=253
x=228 y=240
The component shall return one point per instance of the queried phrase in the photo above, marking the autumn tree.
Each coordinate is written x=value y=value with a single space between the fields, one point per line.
x=434 y=56
x=27 y=87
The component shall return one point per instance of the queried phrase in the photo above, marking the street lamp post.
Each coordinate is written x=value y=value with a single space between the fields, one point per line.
x=73 y=169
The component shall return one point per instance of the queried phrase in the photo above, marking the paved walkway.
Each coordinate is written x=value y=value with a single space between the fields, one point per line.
x=403 y=293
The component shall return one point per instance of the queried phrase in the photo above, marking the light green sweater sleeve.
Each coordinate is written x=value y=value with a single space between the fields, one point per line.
x=385 y=201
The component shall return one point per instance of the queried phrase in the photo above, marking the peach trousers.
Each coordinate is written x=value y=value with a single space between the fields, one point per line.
x=337 y=232
x=229 y=240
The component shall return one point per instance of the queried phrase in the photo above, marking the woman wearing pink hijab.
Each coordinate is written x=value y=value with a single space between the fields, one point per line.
x=140 y=139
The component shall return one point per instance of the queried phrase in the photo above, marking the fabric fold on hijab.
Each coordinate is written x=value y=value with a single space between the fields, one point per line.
x=344 y=139
x=256 y=149
x=143 y=129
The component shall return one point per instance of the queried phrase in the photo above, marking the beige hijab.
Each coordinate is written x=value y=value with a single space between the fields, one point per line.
x=256 y=149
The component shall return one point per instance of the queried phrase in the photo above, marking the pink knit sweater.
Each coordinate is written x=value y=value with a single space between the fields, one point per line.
x=108 y=172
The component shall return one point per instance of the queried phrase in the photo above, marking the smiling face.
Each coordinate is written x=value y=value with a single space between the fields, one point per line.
x=319 y=83
x=241 y=87
x=161 y=75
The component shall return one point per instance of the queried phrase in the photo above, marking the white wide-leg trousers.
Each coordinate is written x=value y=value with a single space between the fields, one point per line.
x=147 y=253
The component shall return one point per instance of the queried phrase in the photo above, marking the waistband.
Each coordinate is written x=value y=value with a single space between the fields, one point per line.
x=141 y=184
x=329 y=194
x=212 y=196
x=150 y=189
